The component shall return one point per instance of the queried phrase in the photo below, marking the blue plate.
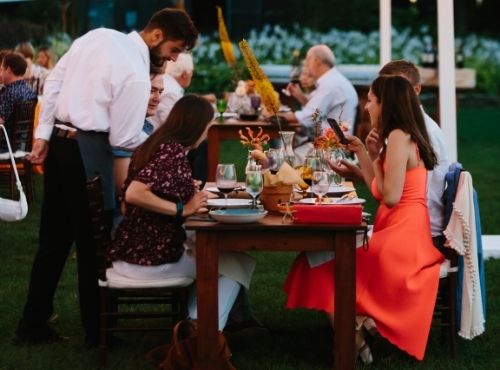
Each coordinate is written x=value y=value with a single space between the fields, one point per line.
x=237 y=215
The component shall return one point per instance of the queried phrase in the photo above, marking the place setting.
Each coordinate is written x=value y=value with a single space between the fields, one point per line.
x=236 y=210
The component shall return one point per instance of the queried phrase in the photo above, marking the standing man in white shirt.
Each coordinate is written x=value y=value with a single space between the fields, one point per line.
x=334 y=96
x=96 y=97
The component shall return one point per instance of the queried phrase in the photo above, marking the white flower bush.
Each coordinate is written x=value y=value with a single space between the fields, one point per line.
x=274 y=44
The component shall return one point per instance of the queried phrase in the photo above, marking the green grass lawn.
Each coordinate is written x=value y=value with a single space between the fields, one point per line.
x=299 y=339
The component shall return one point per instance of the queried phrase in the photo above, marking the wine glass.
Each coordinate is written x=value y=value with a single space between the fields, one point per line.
x=312 y=163
x=255 y=103
x=275 y=158
x=221 y=105
x=320 y=184
x=254 y=184
x=225 y=179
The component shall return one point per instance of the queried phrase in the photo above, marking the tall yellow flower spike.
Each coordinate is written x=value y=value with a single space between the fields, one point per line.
x=262 y=84
x=225 y=43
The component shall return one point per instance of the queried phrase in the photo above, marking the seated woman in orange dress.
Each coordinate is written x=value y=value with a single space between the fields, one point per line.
x=397 y=274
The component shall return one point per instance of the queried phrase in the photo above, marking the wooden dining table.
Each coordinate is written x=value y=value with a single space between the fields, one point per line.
x=228 y=129
x=272 y=234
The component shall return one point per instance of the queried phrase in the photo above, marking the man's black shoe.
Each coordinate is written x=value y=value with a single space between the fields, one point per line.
x=251 y=322
x=42 y=335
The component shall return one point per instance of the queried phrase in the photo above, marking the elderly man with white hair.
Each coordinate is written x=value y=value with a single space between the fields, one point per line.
x=334 y=95
x=176 y=79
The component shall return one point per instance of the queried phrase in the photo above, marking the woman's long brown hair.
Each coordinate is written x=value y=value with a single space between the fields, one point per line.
x=400 y=109
x=184 y=125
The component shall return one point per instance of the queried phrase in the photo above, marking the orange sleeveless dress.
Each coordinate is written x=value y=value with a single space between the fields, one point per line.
x=396 y=278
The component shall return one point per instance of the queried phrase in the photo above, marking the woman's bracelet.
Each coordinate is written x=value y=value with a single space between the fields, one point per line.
x=180 y=210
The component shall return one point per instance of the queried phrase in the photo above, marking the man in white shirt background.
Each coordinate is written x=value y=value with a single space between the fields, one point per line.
x=334 y=96
x=96 y=97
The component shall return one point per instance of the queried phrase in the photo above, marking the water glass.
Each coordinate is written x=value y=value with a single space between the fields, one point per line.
x=335 y=156
x=320 y=184
x=254 y=184
x=221 y=105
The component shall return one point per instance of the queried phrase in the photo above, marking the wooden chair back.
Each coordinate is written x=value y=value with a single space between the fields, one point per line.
x=100 y=224
x=20 y=125
x=142 y=302
x=20 y=130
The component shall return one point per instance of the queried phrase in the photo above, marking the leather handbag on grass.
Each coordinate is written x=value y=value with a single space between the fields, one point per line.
x=13 y=210
x=181 y=353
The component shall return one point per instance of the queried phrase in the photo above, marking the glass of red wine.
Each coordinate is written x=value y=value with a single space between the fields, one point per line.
x=226 y=179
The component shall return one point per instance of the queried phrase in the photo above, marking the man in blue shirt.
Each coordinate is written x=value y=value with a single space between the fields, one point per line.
x=12 y=69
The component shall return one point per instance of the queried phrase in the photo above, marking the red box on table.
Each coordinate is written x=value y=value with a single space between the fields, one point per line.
x=327 y=214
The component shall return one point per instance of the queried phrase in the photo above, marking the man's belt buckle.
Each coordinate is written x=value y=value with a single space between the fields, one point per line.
x=69 y=134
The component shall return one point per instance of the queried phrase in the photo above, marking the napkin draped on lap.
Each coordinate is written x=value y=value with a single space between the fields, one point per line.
x=327 y=214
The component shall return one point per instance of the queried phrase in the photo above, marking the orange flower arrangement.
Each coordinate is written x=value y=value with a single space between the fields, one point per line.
x=254 y=141
x=329 y=139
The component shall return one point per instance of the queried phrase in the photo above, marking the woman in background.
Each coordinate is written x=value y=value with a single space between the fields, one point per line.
x=45 y=58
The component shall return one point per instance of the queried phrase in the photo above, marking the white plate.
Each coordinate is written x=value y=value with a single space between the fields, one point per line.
x=231 y=203
x=214 y=189
x=237 y=216
x=334 y=189
x=230 y=115
x=333 y=201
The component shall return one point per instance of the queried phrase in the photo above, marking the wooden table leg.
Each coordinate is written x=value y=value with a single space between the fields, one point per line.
x=207 y=293
x=345 y=282
x=213 y=152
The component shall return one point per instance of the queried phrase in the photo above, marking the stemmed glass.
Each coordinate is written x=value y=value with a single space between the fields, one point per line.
x=225 y=179
x=312 y=163
x=320 y=184
x=254 y=184
x=255 y=102
x=221 y=105
x=334 y=156
x=275 y=158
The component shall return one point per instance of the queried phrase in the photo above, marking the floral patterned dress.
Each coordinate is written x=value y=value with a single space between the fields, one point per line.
x=149 y=238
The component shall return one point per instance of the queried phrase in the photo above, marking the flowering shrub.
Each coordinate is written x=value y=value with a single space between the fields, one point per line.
x=274 y=44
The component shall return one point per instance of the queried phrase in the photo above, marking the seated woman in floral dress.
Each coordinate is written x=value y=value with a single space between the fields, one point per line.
x=397 y=275
x=160 y=192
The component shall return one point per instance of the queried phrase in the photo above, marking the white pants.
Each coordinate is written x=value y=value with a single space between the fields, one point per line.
x=228 y=291
x=186 y=266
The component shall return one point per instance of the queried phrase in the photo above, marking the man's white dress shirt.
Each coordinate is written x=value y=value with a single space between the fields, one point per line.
x=172 y=91
x=101 y=84
x=435 y=178
x=333 y=93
